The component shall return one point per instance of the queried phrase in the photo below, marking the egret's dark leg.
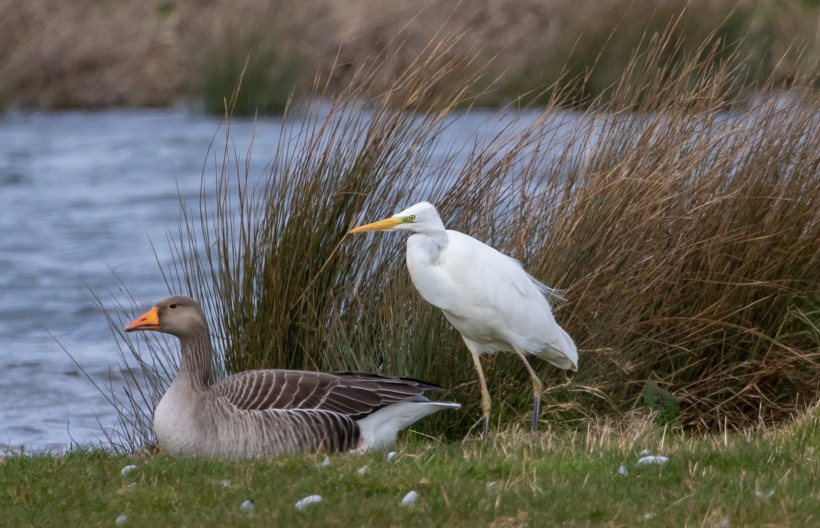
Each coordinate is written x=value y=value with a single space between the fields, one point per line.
x=536 y=390
x=536 y=412
x=485 y=393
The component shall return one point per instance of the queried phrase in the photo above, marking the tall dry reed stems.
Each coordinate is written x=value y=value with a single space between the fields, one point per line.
x=684 y=230
x=157 y=52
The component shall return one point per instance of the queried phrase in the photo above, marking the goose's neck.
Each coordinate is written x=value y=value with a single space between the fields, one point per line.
x=196 y=359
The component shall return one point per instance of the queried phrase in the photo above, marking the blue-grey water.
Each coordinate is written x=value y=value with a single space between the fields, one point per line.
x=82 y=196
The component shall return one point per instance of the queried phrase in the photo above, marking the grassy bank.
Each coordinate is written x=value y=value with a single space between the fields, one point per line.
x=155 y=53
x=767 y=478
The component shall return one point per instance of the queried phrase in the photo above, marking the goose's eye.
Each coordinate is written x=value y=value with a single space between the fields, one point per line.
x=172 y=306
x=411 y=218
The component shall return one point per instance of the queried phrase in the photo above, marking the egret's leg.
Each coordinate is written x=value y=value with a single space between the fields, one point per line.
x=536 y=389
x=485 y=394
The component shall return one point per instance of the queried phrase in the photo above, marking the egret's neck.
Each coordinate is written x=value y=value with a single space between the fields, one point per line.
x=427 y=246
x=196 y=359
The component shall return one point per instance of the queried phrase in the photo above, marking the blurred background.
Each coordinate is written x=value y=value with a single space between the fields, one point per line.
x=120 y=53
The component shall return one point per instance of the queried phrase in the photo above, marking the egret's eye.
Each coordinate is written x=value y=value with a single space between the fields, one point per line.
x=172 y=306
x=411 y=218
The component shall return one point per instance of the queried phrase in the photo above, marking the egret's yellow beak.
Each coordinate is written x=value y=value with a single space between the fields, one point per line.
x=147 y=321
x=381 y=225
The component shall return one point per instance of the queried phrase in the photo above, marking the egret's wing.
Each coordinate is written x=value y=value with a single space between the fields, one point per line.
x=490 y=278
x=350 y=393
x=495 y=302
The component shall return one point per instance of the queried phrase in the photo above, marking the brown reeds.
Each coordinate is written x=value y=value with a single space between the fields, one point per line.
x=684 y=230
x=156 y=53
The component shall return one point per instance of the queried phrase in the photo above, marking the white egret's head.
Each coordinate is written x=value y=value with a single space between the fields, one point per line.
x=419 y=218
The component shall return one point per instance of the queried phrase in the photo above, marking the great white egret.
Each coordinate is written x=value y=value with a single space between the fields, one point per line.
x=486 y=295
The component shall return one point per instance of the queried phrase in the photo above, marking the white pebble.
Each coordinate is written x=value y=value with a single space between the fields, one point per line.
x=128 y=469
x=764 y=494
x=648 y=515
x=121 y=519
x=391 y=455
x=325 y=463
x=491 y=485
x=410 y=499
x=225 y=483
x=246 y=506
x=362 y=470
x=656 y=459
x=307 y=501
x=623 y=471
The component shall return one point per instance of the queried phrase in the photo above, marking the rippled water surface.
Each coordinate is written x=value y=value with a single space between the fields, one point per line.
x=82 y=195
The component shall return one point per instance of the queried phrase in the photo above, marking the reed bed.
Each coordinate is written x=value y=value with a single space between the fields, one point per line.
x=162 y=52
x=684 y=230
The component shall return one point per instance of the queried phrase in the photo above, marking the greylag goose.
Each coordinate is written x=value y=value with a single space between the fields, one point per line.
x=270 y=412
x=486 y=295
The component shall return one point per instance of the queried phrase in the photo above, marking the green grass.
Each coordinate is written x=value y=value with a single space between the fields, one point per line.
x=555 y=478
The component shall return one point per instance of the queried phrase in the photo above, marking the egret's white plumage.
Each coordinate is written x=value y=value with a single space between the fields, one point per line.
x=486 y=295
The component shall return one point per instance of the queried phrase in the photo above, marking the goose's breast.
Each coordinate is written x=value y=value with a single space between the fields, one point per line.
x=177 y=424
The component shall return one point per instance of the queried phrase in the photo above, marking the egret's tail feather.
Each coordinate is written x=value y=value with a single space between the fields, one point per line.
x=561 y=351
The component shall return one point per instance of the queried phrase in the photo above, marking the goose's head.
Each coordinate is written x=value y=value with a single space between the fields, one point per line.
x=419 y=218
x=177 y=315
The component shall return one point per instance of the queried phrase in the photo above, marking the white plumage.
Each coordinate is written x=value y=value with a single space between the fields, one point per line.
x=486 y=295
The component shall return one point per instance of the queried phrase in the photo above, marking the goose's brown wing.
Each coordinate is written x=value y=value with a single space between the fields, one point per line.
x=352 y=394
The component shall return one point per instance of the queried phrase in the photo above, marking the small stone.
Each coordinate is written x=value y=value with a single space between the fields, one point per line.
x=623 y=471
x=128 y=469
x=325 y=463
x=491 y=485
x=225 y=483
x=362 y=470
x=391 y=455
x=410 y=499
x=121 y=519
x=307 y=501
x=246 y=506
x=764 y=494
x=655 y=459
x=648 y=515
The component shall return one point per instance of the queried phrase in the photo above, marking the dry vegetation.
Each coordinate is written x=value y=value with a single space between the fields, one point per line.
x=685 y=232
x=94 y=54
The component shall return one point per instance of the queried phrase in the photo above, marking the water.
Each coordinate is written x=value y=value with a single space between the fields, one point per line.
x=82 y=195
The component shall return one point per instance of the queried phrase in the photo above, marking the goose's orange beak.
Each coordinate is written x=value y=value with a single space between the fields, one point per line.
x=147 y=321
x=381 y=225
